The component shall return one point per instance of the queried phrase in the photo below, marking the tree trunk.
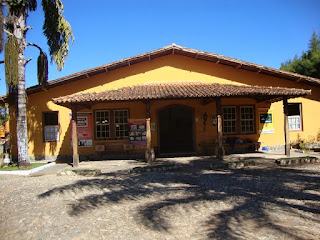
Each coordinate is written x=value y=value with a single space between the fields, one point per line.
x=21 y=98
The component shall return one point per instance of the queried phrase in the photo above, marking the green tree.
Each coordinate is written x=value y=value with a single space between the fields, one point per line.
x=309 y=62
x=13 y=18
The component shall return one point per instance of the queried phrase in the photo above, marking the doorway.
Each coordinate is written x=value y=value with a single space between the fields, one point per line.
x=176 y=129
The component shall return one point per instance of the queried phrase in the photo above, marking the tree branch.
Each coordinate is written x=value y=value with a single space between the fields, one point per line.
x=25 y=30
x=1 y=62
x=7 y=32
x=26 y=61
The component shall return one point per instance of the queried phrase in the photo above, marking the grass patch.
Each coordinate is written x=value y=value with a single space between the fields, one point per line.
x=14 y=167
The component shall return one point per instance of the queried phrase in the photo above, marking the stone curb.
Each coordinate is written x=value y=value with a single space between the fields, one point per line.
x=158 y=168
x=297 y=161
x=27 y=172
x=231 y=165
x=81 y=172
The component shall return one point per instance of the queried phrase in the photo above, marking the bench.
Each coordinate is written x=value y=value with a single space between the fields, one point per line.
x=113 y=147
x=207 y=146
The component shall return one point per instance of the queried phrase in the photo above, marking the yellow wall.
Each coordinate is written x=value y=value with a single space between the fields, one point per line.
x=164 y=69
x=4 y=128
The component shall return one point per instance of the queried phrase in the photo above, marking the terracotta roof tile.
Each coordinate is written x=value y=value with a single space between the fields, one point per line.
x=182 y=90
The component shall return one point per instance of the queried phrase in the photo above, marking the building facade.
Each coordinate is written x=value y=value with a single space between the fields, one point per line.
x=178 y=95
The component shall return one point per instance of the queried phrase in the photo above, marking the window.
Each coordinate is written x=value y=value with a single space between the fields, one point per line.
x=238 y=119
x=102 y=118
x=50 y=126
x=229 y=119
x=121 y=123
x=111 y=124
x=294 y=116
x=247 y=119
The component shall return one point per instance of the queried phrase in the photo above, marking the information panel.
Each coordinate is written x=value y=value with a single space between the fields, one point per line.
x=84 y=129
x=137 y=132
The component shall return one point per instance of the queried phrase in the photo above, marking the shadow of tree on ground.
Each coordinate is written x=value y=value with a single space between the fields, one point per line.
x=237 y=201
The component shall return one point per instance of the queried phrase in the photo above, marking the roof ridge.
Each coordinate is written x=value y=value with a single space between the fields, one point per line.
x=177 y=49
x=175 y=46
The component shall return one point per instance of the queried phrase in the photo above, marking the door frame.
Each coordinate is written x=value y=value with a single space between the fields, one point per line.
x=193 y=124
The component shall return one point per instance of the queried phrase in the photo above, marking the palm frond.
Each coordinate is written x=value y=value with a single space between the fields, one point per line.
x=57 y=30
x=1 y=28
x=19 y=6
x=11 y=53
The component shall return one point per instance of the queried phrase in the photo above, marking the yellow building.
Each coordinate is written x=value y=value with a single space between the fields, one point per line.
x=184 y=94
x=4 y=129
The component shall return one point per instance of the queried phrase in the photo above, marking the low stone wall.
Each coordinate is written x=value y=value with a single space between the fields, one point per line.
x=157 y=168
x=84 y=157
x=296 y=161
x=232 y=165
x=274 y=147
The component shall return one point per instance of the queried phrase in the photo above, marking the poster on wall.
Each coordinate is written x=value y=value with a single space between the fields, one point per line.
x=137 y=133
x=84 y=129
x=266 y=125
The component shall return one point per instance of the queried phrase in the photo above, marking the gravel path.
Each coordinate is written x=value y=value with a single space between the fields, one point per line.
x=193 y=203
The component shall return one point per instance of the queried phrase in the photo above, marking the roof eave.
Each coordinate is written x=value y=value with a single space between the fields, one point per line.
x=175 y=49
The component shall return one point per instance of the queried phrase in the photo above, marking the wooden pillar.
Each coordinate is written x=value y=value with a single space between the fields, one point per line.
x=148 y=134
x=148 y=126
x=74 y=136
x=219 y=128
x=149 y=155
x=286 y=126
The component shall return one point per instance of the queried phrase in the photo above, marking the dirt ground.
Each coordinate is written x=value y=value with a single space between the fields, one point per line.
x=256 y=202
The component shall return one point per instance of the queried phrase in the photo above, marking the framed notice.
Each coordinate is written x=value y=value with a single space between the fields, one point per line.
x=266 y=121
x=137 y=132
x=265 y=118
x=84 y=129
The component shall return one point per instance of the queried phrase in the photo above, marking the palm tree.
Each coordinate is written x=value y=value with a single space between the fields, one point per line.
x=13 y=18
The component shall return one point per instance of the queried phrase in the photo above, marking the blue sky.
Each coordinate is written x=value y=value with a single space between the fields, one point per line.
x=266 y=32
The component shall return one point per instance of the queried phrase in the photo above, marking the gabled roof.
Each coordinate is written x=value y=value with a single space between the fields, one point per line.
x=181 y=90
x=179 y=50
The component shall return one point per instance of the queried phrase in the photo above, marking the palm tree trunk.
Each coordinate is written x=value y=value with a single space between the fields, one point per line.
x=21 y=98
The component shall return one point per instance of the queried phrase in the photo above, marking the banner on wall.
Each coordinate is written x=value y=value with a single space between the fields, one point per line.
x=84 y=129
x=266 y=125
x=137 y=132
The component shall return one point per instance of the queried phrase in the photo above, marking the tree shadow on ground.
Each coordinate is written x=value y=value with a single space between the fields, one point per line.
x=251 y=194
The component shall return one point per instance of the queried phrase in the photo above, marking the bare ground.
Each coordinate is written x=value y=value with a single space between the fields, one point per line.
x=261 y=202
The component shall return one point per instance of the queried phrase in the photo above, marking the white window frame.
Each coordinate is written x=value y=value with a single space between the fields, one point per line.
x=118 y=124
x=104 y=123
x=50 y=132
x=295 y=120
x=229 y=120
x=242 y=120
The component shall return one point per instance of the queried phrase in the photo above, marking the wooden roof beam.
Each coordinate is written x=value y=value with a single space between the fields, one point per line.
x=84 y=106
x=206 y=101
x=238 y=66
